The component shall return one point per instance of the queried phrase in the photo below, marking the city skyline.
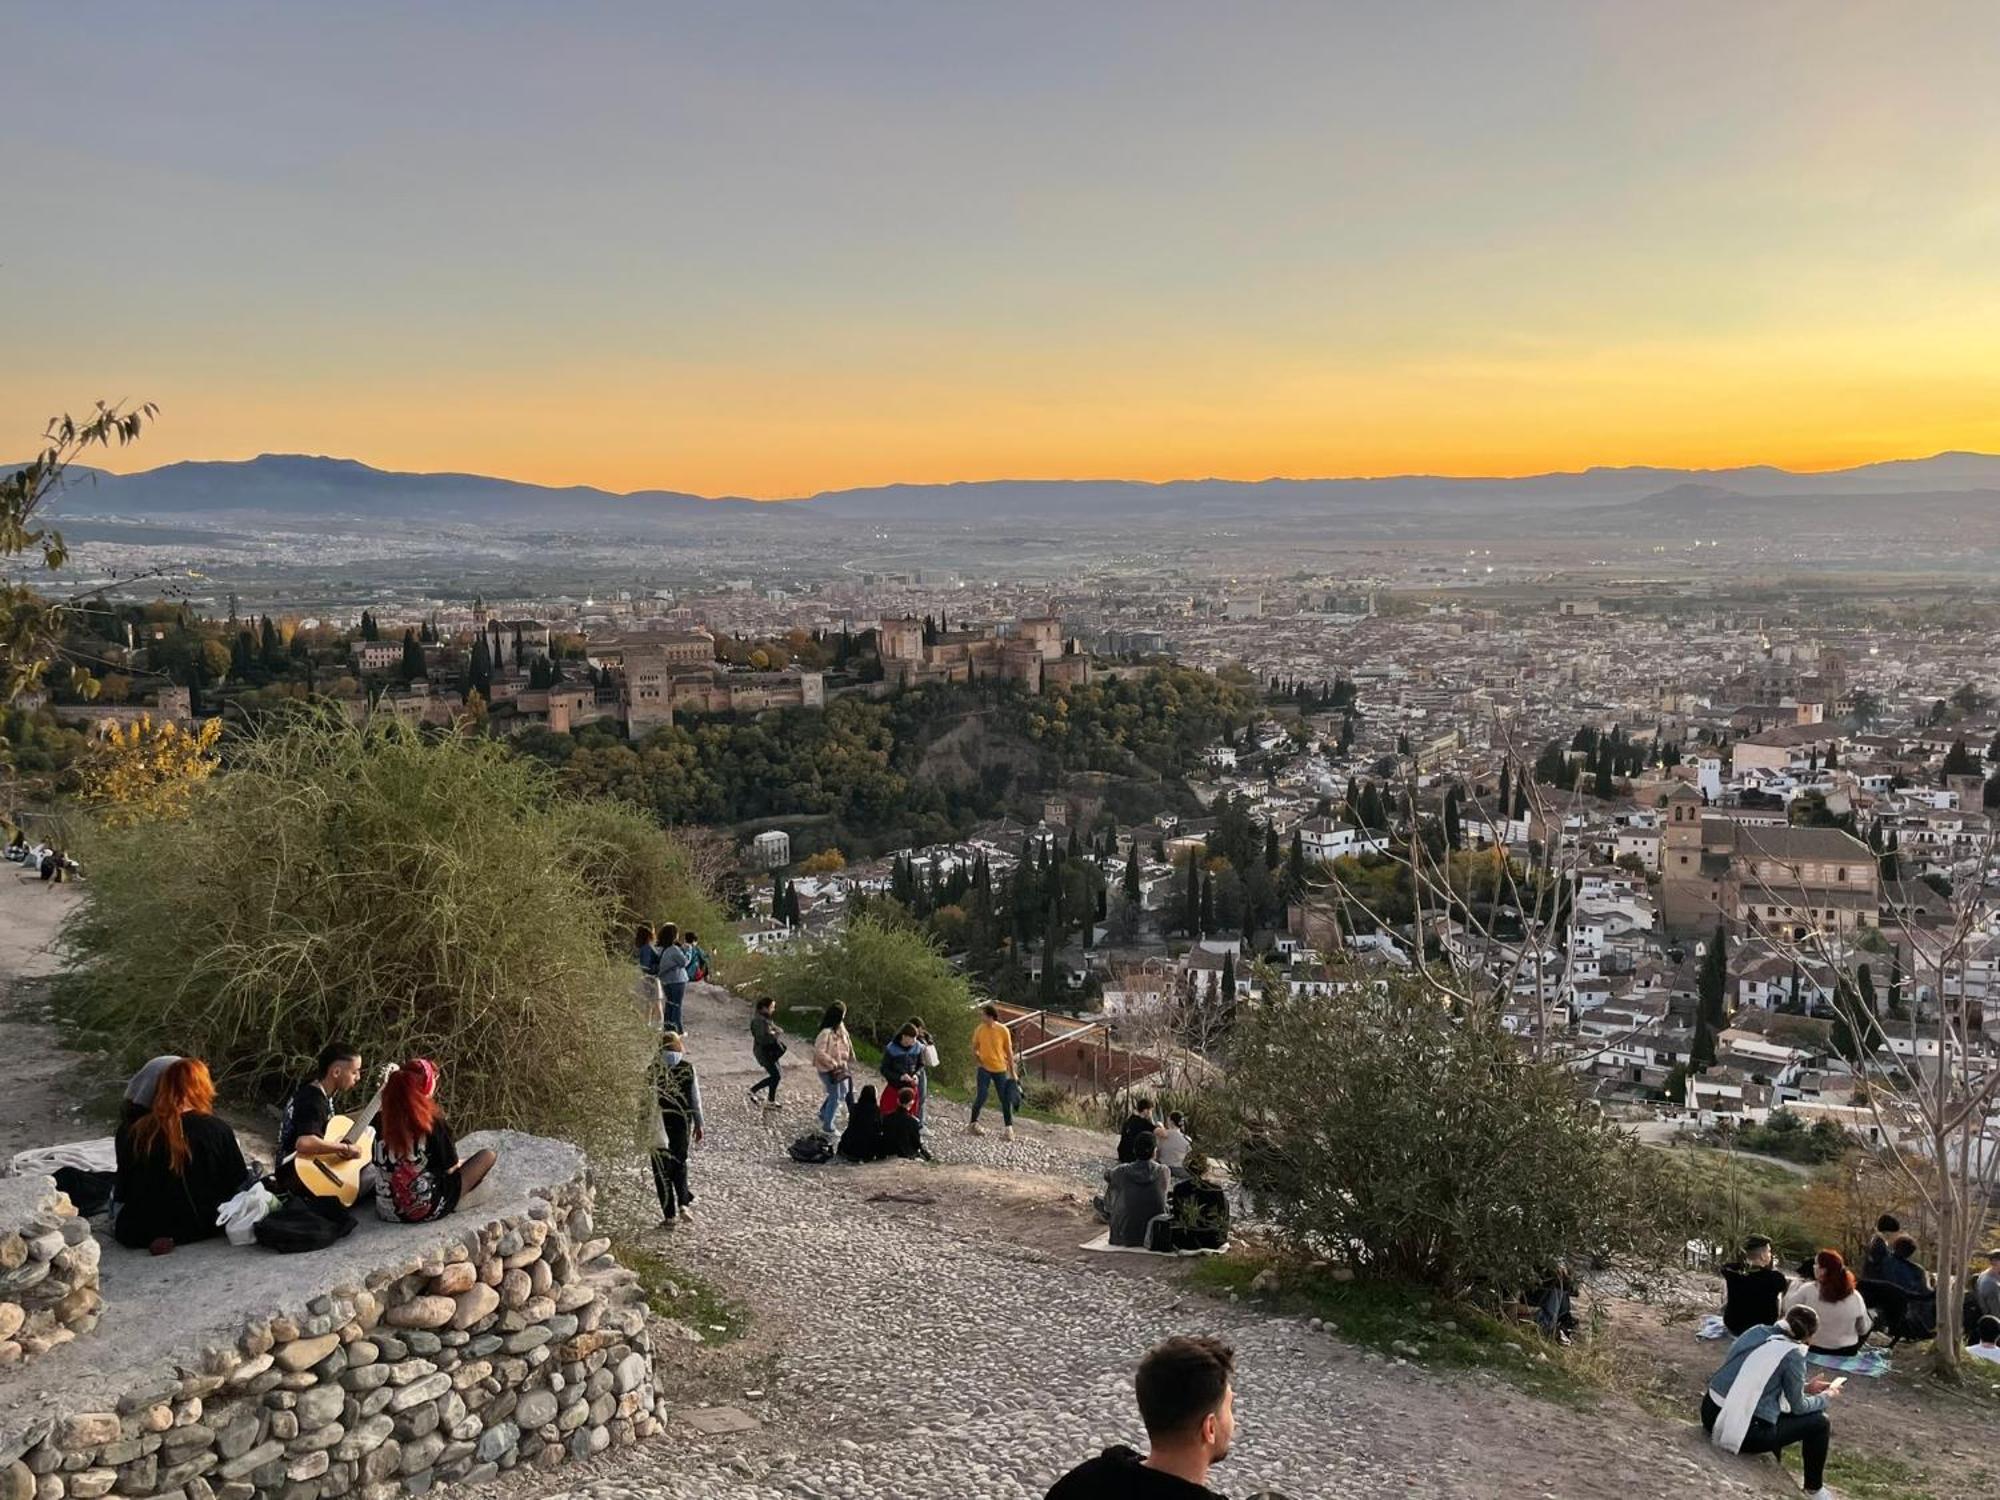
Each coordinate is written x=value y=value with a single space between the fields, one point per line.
x=811 y=248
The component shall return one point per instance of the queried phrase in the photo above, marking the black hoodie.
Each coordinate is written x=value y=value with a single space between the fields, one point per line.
x=1119 y=1474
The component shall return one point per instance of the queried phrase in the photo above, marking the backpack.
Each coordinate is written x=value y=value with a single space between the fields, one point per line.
x=672 y=1088
x=811 y=1149
x=303 y=1223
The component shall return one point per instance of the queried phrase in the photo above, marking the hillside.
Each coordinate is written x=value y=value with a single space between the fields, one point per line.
x=307 y=487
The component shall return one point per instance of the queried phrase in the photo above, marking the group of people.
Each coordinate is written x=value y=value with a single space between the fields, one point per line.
x=45 y=860
x=882 y=1121
x=1760 y=1400
x=178 y=1162
x=668 y=960
x=1160 y=1196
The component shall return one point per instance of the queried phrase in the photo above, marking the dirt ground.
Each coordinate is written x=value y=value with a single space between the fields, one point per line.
x=48 y=1095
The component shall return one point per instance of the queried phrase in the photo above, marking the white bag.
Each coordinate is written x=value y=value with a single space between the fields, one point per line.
x=238 y=1217
x=930 y=1055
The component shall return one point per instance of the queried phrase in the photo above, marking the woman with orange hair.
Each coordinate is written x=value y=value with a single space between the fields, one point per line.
x=177 y=1163
x=418 y=1176
x=1844 y=1319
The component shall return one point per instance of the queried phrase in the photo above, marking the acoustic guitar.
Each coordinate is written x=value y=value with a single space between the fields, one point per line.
x=330 y=1176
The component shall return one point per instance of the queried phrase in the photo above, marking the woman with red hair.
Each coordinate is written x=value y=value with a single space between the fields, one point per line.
x=1844 y=1321
x=418 y=1176
x=177 y=1163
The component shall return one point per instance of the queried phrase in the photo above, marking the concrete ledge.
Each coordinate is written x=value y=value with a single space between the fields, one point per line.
x=403 y=1357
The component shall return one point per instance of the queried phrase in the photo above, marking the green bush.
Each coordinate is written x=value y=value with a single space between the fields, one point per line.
x=884 y=973
x=642 y=875
x=410 y=892
x=1386 y=1133
x=1785 y=1135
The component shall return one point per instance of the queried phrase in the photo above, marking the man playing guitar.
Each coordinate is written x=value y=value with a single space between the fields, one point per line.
x=302 y=1127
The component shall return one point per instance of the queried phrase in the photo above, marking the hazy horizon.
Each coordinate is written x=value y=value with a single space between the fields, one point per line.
x=776 y=251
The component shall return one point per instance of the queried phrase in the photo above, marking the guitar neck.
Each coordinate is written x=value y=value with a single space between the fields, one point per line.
x=368 y=1112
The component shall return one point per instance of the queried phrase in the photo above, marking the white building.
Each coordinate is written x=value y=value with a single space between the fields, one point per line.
x=772 y=848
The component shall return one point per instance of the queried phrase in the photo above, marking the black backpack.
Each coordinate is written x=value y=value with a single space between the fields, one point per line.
x=812 y=1149
x=303 y=1222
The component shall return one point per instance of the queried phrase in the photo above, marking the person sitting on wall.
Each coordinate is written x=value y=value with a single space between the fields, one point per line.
x=177 y=1164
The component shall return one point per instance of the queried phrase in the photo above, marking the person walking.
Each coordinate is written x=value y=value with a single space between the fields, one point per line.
x=833 y=1060
x=766 y=1047
x=646 y=981
x=677 y=1092
x=993 y=1053
x=1761 y=1402
x=673 y=970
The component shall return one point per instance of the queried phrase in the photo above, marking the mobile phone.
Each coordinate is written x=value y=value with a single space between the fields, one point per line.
x=1837 y=1383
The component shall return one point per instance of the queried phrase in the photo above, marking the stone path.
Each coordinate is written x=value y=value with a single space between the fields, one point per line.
x=963 y=1347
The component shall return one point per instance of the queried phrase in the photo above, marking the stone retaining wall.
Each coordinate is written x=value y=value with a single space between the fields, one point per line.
x=512 y=1340
x=48 y=1270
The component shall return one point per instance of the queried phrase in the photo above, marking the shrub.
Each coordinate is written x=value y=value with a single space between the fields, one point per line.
x=885 y=973
x=641 y=874
x=409 y=892
x=1386 y=1133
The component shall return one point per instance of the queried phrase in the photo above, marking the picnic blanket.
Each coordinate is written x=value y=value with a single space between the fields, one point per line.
x=1869 y=1363
x=1712 y=1327
x=1102 y=1246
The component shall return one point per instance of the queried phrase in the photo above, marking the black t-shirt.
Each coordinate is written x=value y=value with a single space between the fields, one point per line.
x=1134 y=1127
x=1119 y=1474
x=306 y=1113
x=1754 y=1296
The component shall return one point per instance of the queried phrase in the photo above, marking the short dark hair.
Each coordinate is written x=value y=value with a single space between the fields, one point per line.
x=991 y=1012
x=1182 y=1381
x=334 y=1052
x=1903 y=1248
x=767 y=1002
x=908 y=1030
x=668 y=932
x=1145 y=1144
x=1887 y=1224
x=1175 y=1117
x=1142 y=1105
x=1989 y=1330
x=1755 y=1243
x=689 y=935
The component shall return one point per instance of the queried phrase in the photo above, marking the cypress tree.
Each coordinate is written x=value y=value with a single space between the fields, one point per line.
x=1207 y=905
x=1132 y=890
x=413 y=657
x=1712 y=986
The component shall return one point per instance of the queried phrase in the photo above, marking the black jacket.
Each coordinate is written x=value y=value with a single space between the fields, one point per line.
x=156 y=1201
x=1120 y=1474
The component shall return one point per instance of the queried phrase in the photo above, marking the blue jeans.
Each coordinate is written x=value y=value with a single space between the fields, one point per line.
x=1004 y=1085
x=674 y=994
x=836 y=1090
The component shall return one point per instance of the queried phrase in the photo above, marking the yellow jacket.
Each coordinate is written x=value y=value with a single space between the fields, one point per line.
x=993 y=1047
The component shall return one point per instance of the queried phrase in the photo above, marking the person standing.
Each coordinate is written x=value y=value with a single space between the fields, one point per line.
x=677 y=1091
x=673 y=974
x=1755 y=1288
x=1761 y=1402
x=833 y=1060
x=302 y=1126
x=697 y=958
x=903 y=1061
x=1188 y=1403
x=646 y=983
x=993 y=1053
x=766 y=1046
x=1986 y=1290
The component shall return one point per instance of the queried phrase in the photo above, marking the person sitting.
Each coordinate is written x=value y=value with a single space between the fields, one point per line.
x=1198 y=1209
x=1173 y=1145
x=302 y=1126
x=418 y=1174
x=1761 y=1402
x=861 y=1141
x=1554 y=1302
x=1841 y=1319
x=1754 y=1288
x=1136 y=1193
x=177 y=1164
x=1188 y=1406
x=1987 y=1341
x=1903 y=1272
x=902 y=1131
x=1986 y=1290
x=140 y=1087
x=17 y=847
x=1875 y=1258
x=1138 y=1123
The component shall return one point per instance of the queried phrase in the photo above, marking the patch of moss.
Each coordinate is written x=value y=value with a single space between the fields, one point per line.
x=672 y=1292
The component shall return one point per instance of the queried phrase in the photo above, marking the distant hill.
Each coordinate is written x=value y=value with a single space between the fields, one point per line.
x=304 y=487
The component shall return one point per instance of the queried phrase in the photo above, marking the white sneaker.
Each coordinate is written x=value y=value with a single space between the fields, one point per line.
x=1008 y=1134
x=1822 y=1493
x=975 y=1128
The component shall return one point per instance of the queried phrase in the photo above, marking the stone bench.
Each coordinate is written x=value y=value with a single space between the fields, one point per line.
x=403 y=1357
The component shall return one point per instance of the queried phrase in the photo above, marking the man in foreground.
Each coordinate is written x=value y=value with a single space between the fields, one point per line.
x=1188 y=1405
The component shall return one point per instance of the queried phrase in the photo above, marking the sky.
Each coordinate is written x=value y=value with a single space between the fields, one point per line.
x=773 y=249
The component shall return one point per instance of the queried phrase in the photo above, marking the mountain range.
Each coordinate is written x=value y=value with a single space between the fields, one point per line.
x=301 y=487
